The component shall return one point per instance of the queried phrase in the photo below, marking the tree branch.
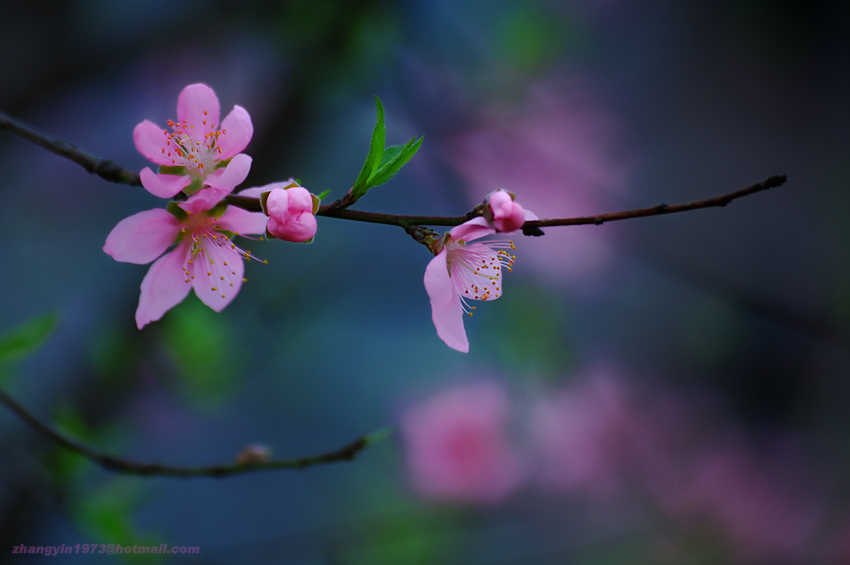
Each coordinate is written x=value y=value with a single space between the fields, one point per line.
x=103 y=168
x=723 y=200
x=110 y=171
x=119 y=465
x=330 y=210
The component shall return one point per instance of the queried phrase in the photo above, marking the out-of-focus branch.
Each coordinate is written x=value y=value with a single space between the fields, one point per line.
x=103 y=168
x=127 y=467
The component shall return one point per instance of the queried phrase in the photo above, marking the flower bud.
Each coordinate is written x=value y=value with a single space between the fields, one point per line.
x=291 y=213
x=503 y=213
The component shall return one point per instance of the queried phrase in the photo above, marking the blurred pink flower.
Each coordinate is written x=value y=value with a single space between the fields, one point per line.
x=291 y=209
x=459 y=271
x=204 y=259
x=578 y=435
x=199 y=151
x=457 y=445
x=559 y=148
x=755 y=503
x=599 y=436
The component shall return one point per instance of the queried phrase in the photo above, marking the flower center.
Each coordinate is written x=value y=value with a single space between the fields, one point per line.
x=212 y=254
x=476 y=269
x=194 y=146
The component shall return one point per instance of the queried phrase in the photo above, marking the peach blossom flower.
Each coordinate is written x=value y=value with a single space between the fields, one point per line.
x=462 y=271
x=197 y=150
x=204 y=259
x=457 y=445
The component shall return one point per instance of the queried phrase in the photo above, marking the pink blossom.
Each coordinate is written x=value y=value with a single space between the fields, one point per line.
x=291 y=210
x=457 y=447
x=578 y=433
x=505 y=214
x=204 y=259
x=460 y=271
x=197 y=150
x=563 y=147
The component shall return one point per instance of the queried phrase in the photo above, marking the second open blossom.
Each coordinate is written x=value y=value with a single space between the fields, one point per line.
x=463 y=271
x=205 y=258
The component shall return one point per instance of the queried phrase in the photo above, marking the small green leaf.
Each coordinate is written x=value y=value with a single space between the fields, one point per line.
x=391 y=167
x=390 y=153
x=27 y=337
x=323 y=194
x=376 y=152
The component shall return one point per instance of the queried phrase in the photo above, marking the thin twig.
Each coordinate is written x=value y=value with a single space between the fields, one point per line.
x=110 y=171
x=253 y=204
x=120 y=465
x=771 y=182
x=103 y=168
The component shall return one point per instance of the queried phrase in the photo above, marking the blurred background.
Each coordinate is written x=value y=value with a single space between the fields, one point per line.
x=671 y=389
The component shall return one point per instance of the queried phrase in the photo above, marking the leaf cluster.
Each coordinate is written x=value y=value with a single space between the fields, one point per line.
x=382 y=163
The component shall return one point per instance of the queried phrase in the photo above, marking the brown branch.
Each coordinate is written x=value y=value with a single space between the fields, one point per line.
x=771 y=182
x=110 y=171
x=103 y=168
x=127 y=467
x=529 y=228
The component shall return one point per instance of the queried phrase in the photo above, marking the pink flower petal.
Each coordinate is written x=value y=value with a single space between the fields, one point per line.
x=164 y=286
x=205 y=199
x=232 y=175
x=473 y=229
x=299 y=227
x=508 y=216
x=193 y=102
x=242 y=221
x=300 y=199
x=458 y=445
x=446 y=309
x=151 y=141
x=142 y=237
x=277 y=205
x=162 y=185
x=218 y=273
x=236 y=132
x=501 y=203
x=256 y=191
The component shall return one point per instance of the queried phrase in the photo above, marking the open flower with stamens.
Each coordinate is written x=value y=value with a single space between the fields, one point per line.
x=196 y=151
x=463 y=271
x=204 y=258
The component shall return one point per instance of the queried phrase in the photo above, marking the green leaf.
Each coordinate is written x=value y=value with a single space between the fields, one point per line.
x=27 y=337
x=390 y=153
x=376 y=152
x=394 y=164
x=323 y=194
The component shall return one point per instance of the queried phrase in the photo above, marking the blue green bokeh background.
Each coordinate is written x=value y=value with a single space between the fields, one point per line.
x=578 y=108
